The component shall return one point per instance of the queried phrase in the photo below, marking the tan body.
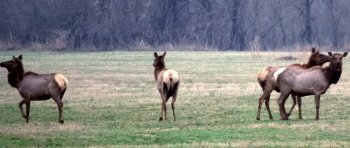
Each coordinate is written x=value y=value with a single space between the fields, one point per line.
x=39 y=87
x=305 y=82
x=314 y=81
x=167 y=84
x=267 y=79
x=167 y=78
x=35 y=87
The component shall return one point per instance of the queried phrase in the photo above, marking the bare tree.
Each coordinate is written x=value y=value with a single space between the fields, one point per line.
x=217 y=24
x=305 y=11
x=235 y=10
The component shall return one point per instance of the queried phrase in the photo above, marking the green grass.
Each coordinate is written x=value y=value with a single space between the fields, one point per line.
x=112 y=101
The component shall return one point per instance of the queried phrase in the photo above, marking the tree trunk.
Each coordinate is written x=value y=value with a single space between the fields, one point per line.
x=307 y=21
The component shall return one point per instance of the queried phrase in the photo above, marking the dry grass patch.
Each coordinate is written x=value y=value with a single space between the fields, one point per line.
x=34 y=129
x=161 y=130
x=268 y=125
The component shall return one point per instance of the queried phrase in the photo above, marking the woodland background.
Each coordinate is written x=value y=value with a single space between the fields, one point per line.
x=178 y=24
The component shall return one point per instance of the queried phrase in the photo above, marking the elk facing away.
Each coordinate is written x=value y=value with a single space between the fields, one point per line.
x=268 y=81
x=35 y=87
x=167 y=84
x=314 y=81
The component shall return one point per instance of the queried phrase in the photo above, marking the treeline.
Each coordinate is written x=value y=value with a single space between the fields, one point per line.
x=212 y=24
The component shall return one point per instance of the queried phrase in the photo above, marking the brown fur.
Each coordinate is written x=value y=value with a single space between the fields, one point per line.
x=262 y=76
x=35 y=87
x=167 y=84
x=268 y=81
x=314 y=81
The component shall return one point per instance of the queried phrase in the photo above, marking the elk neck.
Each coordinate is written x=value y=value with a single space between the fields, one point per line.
x=332 y=74
x=15 y=76
x=158 y=69
x=309 y=64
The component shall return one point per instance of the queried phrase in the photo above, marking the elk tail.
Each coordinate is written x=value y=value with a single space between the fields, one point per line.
x=170 y=77
x=261 y=76
x=61 y=81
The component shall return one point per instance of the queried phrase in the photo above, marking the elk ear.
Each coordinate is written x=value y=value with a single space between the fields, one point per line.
x=313 y=49
x=164 y=54
x=20 y=57
x=345 y=54
x=155 y=54
x=330 y=53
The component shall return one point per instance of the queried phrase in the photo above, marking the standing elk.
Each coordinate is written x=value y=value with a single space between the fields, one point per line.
x=167 y=83
x=314 y=81
x=35 y=87
x=268 y=81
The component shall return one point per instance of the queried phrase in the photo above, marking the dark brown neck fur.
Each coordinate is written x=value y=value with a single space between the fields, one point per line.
x=16 y=76
x=310 y=63
x=332 y=74
x=158 y=69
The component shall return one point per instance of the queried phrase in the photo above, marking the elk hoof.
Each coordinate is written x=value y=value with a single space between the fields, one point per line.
x=288 y=114
x=61 y=121
x=300 y=117
x=160 y=118
x=257 y=118
x=25 y=116
x=284 y=118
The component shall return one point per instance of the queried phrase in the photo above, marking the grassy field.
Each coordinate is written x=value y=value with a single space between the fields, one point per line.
x=112 y=101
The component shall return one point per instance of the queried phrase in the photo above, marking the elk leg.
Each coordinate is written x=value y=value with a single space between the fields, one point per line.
x=292 y=108
x=161 y=113
x=281 y=104
x=261 y=100
x=164 y=108
x=61 y=97
x=266 y=94
x=27 y=110
x=161 y=109
x=174 y=99
x=21 y=108
x=299 y=107
x=60 y=109
x=267 y=104
x=173 y=106
x=317 y=102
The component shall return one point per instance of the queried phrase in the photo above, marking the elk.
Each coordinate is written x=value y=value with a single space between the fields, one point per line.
x=167 y=84
x=35 y=87
x=268 y=81
x=304 y=82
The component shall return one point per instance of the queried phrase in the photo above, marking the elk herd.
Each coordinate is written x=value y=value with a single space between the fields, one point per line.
x=300 y=80
x=297 y=80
